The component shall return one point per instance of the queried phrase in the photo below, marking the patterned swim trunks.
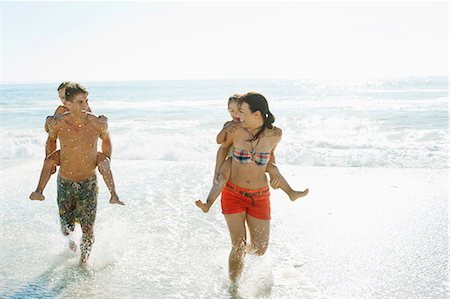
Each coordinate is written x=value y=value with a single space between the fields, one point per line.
x=77 y=202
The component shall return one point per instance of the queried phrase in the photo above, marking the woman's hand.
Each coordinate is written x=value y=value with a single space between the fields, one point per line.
x=204 y=206
x=275 y=177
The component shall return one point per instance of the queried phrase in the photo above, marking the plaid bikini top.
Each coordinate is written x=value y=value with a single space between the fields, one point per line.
x=243 y=157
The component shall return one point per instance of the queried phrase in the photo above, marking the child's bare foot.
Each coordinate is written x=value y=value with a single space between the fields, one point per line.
x=297 y=194
x=115 y=200
x=203 y=206
x=73 y=246
x=36 y=196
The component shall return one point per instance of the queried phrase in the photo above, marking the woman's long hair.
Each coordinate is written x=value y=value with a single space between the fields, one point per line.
x=257 y=102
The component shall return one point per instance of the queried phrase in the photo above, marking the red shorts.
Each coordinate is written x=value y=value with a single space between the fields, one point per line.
x=256 y=202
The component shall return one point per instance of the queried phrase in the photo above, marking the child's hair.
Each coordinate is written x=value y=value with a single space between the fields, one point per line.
x=64 y=84
x=72 y=89
x=234 y=98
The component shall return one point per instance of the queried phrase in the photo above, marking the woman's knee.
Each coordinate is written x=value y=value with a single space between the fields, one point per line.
x=238 y=245
x=260 y=249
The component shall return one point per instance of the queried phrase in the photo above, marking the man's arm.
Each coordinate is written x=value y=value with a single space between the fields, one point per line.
x=106 y=140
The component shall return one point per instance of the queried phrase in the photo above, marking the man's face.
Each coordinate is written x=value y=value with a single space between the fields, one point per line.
x=61 y=93
x=79 y=106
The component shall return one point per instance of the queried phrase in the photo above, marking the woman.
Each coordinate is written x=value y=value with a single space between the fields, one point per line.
x=246 y=196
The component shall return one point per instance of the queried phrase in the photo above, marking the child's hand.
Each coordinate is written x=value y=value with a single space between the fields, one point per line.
x=50 y=122
x=102 y=119
x=203 y=206
x=231 y=128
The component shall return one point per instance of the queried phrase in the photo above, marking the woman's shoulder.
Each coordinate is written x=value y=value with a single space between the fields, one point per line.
x=273 y=132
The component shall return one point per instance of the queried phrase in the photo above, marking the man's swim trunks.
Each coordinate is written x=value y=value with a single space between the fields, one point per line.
x=256 y=202
x=77 y=201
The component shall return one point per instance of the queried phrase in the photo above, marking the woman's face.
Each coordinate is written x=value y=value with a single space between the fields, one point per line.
x=247 y=117
x=234 y=111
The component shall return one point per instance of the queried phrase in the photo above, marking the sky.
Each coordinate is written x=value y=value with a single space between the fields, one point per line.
x=121 y=41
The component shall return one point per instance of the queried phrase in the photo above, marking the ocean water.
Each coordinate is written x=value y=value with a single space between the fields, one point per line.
x=375 y=224
x=399 y=123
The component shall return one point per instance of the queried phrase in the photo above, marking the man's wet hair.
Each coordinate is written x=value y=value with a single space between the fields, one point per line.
x=73 y=89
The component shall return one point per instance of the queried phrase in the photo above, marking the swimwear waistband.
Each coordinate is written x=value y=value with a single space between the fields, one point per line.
x=88 y=180
x=248 y=192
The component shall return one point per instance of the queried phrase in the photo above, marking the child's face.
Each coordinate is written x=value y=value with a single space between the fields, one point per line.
x=234 y=111
x=61 y=93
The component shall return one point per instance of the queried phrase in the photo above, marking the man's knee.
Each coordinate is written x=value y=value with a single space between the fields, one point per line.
x=66 y=229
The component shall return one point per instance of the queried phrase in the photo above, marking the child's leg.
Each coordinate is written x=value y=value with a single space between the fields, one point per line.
x=224 y=176
x=272 y=169
x=104 y=167
x=47 y=170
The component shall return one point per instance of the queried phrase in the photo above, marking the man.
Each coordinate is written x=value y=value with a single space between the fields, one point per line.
x=78 y=132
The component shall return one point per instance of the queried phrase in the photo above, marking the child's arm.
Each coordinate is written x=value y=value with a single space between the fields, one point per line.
x=51 y=120
x=228 y=127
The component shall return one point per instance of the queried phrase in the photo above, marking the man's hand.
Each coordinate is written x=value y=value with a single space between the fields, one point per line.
x=102 y=119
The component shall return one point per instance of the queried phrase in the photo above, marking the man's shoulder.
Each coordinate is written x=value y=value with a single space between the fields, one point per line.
x=62 y=118
x=95 y=121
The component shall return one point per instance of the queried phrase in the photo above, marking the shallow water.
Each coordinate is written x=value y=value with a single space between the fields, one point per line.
x=350 y=238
